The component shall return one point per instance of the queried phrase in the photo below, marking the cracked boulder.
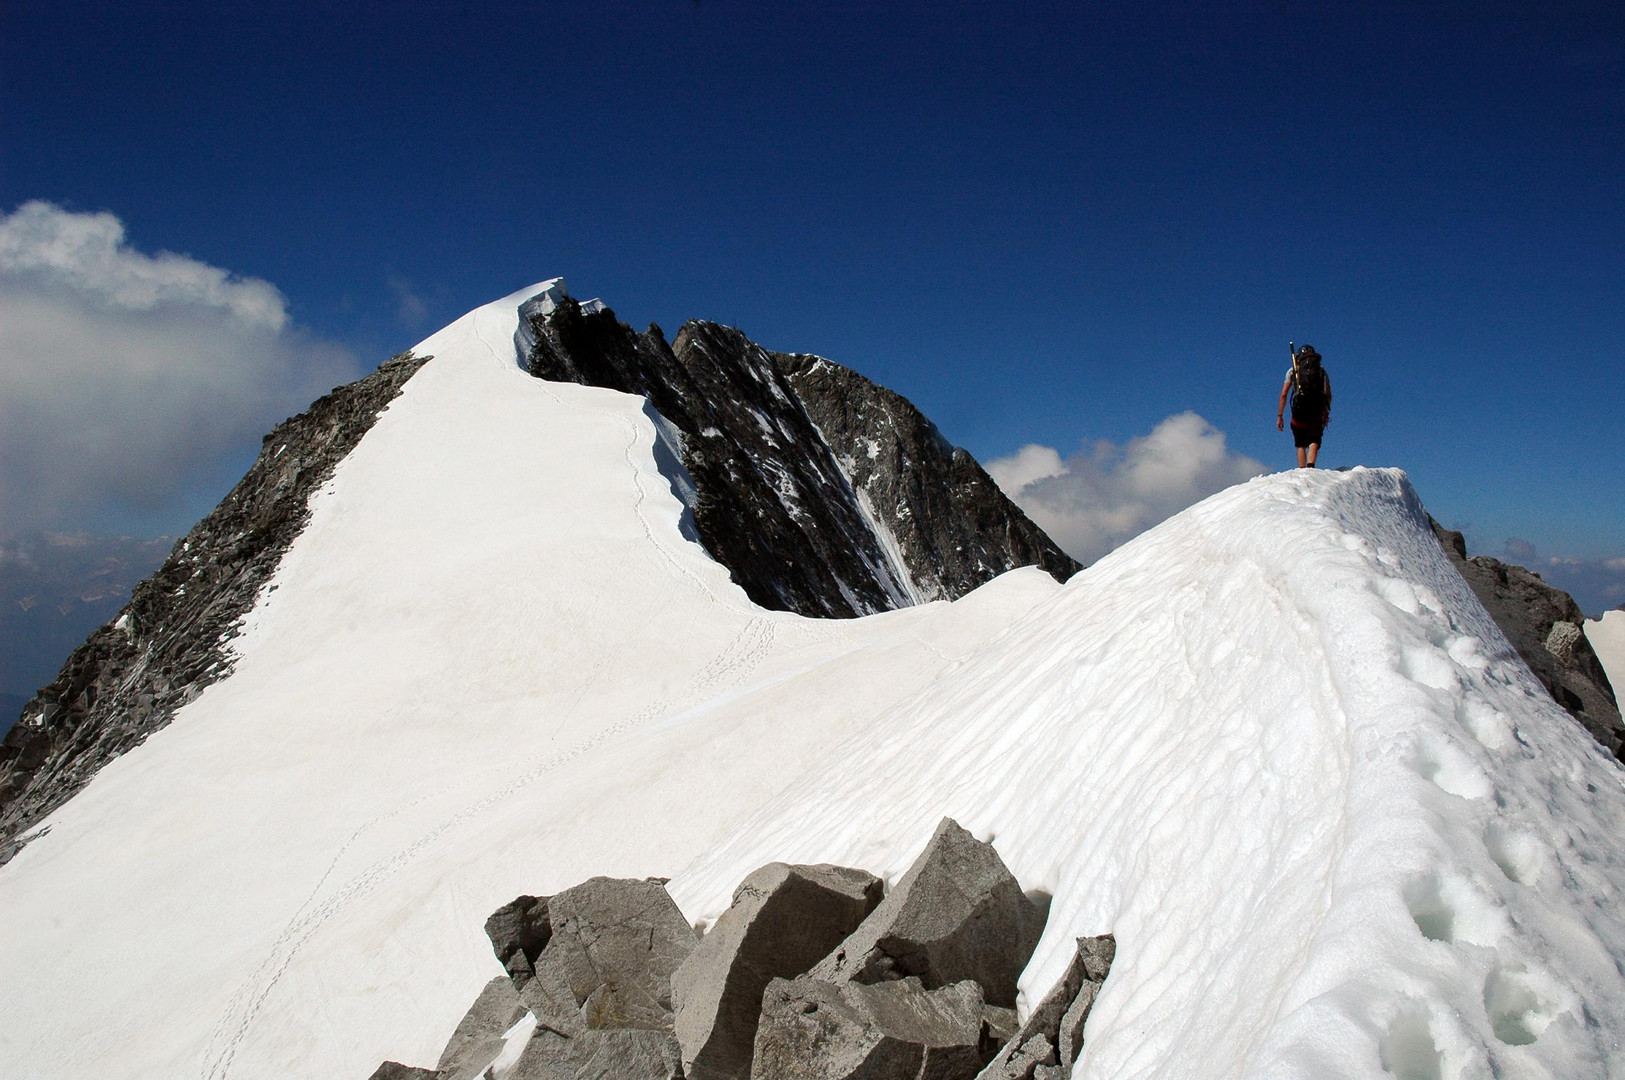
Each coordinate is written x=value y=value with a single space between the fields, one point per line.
x=599 y=1055
x=610 y=954
x=479 y=1037
x=957 y=914
x=1049 y=1043
x=894 y=1030
x=782 y=921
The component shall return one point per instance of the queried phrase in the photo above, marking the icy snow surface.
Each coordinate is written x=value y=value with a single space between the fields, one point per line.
x=1274 y=745
x=1607 y=638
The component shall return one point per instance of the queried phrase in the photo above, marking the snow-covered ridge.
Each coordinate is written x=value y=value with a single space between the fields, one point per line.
x=1275 y=745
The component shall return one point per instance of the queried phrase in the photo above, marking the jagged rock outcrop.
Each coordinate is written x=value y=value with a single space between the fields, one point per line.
x=772 y=454
x=950 y=536
x=888 y=1031
x=1544 y=625
x=957 y=914
x=172 y=639
x=1048 y=1044
x=782 y=921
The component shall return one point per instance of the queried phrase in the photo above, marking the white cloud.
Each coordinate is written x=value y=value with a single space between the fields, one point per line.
x=86 y=254
x=1595 y=584
x=125 y=376
x=1105 y=494
x=1026 y=467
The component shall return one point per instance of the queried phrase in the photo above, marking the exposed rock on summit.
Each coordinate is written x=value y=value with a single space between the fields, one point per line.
x=951 y=537
x=822 y=493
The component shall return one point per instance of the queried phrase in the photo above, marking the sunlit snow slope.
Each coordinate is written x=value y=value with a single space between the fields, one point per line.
x=1607 y=637
x=1274 y=745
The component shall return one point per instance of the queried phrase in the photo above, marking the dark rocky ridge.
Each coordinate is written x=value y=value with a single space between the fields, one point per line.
x=1547 y=629
x=171 y=640
x=952 y=536
x=777 y=446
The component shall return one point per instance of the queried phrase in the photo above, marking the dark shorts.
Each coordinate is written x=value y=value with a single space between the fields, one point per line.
x=1304 y=436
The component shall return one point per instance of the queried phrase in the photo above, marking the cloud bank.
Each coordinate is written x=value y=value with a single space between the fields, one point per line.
x=1105 y=494
x=124 y=376
x=1595 y=584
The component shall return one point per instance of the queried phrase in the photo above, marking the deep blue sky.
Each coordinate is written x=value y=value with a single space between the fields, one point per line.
x=1050 y=224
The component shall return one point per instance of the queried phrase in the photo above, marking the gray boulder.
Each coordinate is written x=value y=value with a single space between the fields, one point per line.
x=394 y=1070
x=1049 y=1043
x=519 y=930
x=478 y=1038
x=609 y=959
x=599 y=1055
x=782 y=921
x=957 y=914
x=815 y=1030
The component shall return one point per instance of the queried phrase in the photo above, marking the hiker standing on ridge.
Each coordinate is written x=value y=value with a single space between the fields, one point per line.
x=1311 y=391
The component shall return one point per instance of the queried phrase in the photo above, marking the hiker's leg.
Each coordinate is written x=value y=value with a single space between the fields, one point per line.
x=1314 y=452
x=1301 y=455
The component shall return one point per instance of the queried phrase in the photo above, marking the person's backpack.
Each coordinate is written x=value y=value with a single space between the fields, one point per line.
x=1311 y=389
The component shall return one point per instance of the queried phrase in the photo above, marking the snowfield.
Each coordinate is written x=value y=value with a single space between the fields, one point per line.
x=1607 y=638
x=1274 y=745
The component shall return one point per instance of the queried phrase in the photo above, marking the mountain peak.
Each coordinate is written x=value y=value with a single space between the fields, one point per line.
x=1275 y=745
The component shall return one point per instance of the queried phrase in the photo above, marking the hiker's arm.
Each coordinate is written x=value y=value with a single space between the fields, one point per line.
x=1327 y=417
x=1280 y=409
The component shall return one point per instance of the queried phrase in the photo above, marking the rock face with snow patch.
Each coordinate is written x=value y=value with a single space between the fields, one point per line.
x=1543 y=623
x=933 y=505
x=1048 y=1044
x=171 y=640
x=479 y=1035
x=782 y=921
x=957 y=914
x=786 y=492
